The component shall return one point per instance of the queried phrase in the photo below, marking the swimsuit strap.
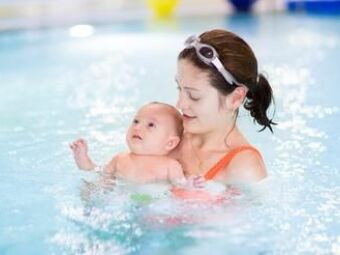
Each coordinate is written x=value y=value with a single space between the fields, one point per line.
x=223 y=162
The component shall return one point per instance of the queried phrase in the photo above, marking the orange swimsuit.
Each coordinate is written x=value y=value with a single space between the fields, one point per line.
x=223 y=162
x=202 y=195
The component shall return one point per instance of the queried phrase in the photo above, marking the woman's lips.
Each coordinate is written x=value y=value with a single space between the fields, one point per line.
x=187 y=117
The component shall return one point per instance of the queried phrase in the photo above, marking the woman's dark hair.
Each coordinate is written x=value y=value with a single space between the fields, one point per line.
x=238 y=58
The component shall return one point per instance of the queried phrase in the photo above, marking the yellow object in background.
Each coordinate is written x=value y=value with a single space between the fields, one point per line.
x=162 y=8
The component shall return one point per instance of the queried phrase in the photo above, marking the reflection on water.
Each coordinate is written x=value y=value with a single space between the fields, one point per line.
x=109 y=218
x=306 y=212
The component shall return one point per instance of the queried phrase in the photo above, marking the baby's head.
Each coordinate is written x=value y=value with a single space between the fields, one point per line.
x=155 y=130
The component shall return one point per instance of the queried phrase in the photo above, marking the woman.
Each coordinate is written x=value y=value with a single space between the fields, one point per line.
x=217 y=73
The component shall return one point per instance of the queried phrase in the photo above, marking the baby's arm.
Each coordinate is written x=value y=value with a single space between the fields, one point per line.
x=83 y=160
x=176 y=173
x=177 y=178
x=80 y=154
x=111 y=167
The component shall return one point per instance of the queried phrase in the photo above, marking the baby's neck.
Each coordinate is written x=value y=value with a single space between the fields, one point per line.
x=133 y=154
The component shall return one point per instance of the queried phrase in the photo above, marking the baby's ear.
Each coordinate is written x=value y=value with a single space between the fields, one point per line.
x=172 y=142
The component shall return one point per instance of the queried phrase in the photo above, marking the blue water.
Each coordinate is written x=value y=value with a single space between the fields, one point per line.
x=55 y=88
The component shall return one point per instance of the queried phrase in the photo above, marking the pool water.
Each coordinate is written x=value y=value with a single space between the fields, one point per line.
x=56 y=88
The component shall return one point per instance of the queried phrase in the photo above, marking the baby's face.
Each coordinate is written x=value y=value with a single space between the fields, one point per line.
x=151 y=130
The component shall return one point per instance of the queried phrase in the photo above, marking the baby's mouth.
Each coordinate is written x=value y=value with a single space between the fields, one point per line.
x=137 y=137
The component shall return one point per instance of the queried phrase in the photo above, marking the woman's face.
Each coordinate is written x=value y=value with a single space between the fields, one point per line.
x=199 y=102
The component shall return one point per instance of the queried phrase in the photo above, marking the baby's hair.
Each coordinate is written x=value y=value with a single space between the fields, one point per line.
x=177 y=117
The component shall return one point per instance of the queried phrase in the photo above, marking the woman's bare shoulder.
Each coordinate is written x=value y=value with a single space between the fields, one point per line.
x=247 y=166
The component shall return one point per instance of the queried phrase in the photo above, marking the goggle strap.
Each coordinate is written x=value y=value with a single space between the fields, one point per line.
x=228 y=76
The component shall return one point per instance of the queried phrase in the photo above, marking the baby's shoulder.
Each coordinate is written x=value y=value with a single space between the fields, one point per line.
x=123 y=160
x=172 y=163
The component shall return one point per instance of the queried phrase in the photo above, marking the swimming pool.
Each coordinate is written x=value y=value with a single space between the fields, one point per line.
x=55 y=88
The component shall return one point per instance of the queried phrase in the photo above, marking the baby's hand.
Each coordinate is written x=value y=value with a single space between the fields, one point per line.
x=196 y=182
x=79 y=147
x=213 y=187
x=80 y=150
x=199 y=182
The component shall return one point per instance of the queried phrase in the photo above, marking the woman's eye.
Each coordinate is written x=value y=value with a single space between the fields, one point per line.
x=194 y=98
x=151 y=124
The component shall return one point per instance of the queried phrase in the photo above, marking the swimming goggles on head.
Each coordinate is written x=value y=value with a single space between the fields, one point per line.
x=209 y=55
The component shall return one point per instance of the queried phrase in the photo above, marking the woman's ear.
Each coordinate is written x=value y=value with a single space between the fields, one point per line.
x=236 y=98
x=172 y=142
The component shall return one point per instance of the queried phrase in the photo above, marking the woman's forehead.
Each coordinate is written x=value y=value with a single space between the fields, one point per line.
x=191 y=76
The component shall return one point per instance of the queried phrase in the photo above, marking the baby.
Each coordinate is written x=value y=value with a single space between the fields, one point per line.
x=154 y=132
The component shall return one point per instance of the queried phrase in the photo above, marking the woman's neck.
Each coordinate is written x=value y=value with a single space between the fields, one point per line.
x=222 y=139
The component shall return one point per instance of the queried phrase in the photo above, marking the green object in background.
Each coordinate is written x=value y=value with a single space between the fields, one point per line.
x=141 y=198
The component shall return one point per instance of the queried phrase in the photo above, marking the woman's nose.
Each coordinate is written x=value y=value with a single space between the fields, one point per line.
x=181 y=103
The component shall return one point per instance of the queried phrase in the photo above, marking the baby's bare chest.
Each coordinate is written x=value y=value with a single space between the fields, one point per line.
x=143 y=169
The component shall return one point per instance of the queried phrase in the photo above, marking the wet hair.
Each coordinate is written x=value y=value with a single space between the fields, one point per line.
x=238 y=58
x=176 y=116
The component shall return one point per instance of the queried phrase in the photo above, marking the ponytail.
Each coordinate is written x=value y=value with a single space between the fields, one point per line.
x=259 y=98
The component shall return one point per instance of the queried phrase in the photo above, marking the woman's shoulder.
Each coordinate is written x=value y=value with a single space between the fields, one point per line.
x=247 y=165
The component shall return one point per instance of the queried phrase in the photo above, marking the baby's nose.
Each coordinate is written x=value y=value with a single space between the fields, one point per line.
x=137 y=126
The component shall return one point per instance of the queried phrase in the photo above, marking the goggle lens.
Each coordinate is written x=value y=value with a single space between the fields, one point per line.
x=209 y=56
x=206 y=52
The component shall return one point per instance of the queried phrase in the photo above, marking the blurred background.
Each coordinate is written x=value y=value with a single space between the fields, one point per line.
x=17 y=14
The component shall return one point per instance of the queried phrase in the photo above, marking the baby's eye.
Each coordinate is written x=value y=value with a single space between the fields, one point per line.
x=135 y=121
x=151 y=124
